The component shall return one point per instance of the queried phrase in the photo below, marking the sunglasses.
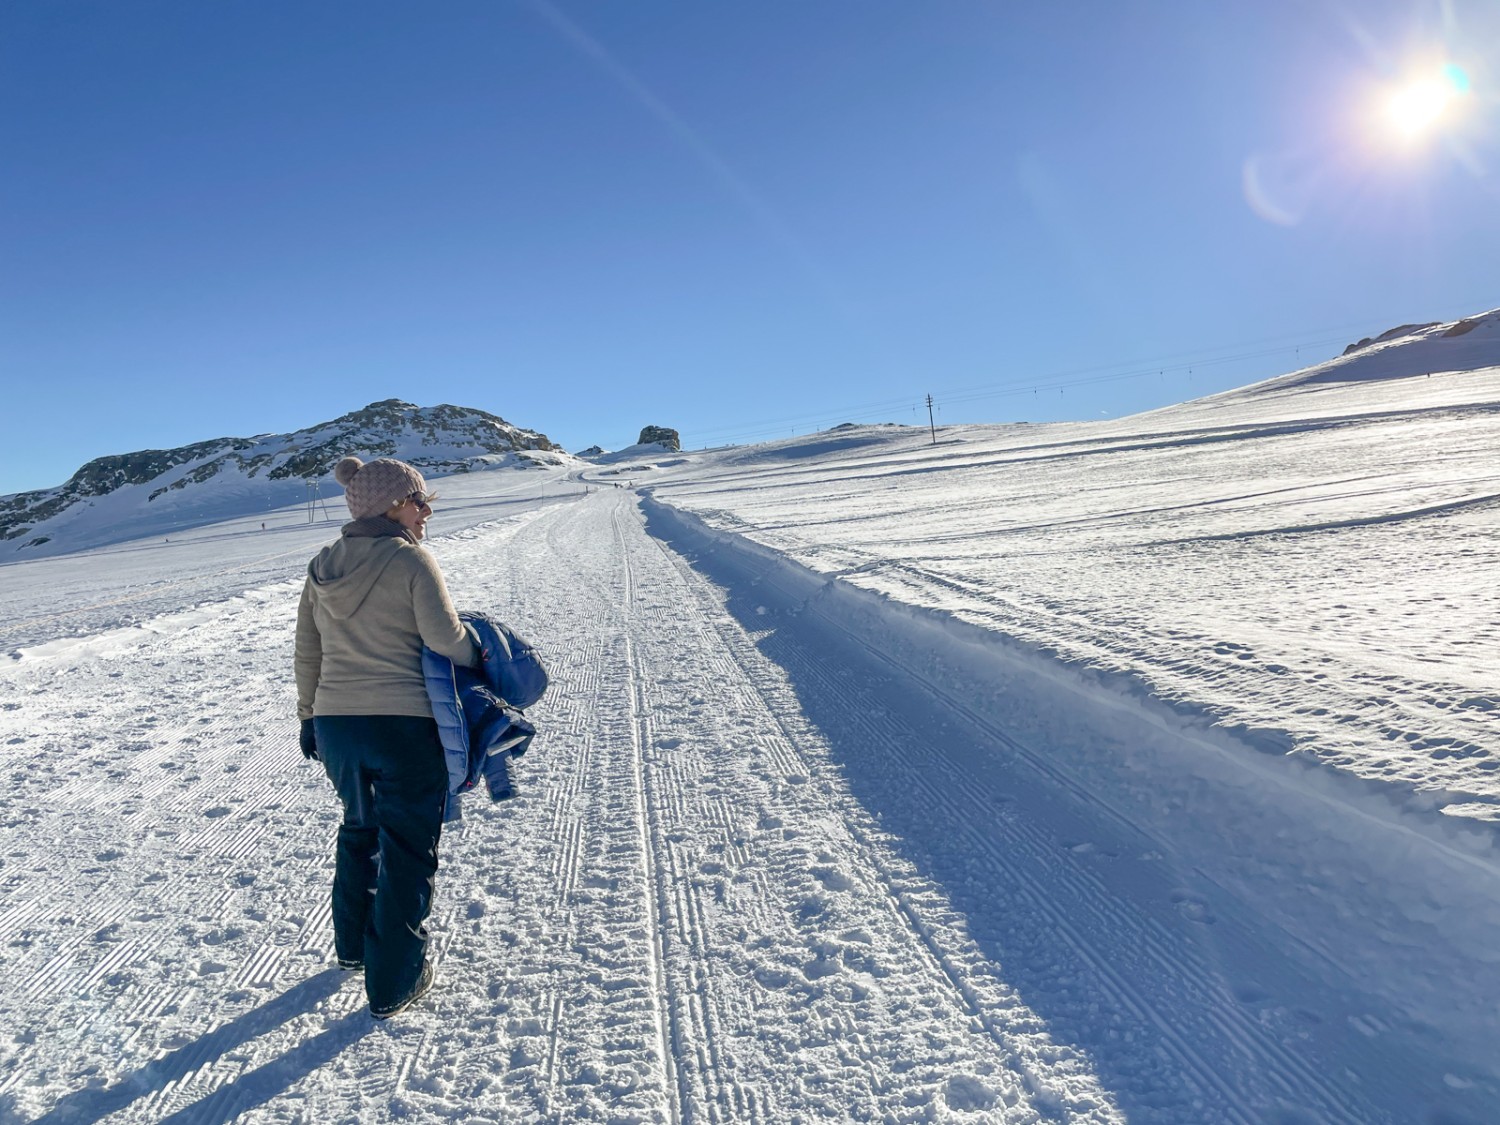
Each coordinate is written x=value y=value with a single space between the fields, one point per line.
x=422 y=499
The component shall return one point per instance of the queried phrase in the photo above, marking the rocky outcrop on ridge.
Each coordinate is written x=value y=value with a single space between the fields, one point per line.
x=662 y=436
x=1409 y=351
x=1464 y=327
x=1390 y=334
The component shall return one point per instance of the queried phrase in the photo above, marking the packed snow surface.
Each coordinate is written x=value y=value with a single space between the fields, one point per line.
x=1139 y=771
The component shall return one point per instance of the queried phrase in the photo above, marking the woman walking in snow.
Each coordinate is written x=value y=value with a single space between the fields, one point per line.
x=372 y=599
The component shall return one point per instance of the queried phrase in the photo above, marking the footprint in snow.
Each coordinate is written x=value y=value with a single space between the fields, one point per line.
x=1251 y=995
x=814 y=906
x=833 y=879
x=822 y=966
x=1193 y=908
x=968 y=1095
x=772 y=978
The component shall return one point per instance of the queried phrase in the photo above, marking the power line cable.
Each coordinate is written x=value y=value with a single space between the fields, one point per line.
x=974 y=393
x=1058 y=380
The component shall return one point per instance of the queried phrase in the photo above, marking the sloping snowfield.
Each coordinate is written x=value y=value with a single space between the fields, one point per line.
x=1138 y=771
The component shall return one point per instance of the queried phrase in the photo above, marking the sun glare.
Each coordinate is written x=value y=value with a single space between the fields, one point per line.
x=1418 y=108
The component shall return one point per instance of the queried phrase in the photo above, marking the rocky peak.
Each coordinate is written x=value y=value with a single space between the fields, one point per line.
x=134 y=490
x=660 y=435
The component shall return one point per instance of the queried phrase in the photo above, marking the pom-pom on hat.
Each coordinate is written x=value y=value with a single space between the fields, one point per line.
x=371 y=487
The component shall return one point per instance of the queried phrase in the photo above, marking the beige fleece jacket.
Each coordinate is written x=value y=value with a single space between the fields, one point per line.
x=368 y=607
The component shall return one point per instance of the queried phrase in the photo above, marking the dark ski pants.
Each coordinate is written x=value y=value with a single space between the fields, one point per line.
x=390 y=773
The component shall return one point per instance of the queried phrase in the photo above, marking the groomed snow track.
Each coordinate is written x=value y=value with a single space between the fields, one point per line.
x=783 y=853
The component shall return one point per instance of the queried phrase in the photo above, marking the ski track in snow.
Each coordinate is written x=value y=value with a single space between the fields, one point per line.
x=744 y=880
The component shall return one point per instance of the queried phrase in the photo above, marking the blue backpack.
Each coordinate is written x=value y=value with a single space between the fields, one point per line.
x=511 y=665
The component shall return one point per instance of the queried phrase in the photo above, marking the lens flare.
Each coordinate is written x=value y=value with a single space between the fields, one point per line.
x=1456 y=77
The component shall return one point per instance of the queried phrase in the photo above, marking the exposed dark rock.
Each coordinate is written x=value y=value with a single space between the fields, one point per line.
x=661 y=435
x=1468 y=325
x=377 y=430
x=1391 y=334
x=365 y=433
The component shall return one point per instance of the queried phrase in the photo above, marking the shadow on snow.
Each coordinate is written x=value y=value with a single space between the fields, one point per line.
x=251 y=1089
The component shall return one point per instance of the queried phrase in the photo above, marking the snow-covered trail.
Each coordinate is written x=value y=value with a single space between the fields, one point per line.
x=748 y=878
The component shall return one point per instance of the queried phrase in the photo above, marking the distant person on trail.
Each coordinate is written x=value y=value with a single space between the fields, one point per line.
x=372 y=599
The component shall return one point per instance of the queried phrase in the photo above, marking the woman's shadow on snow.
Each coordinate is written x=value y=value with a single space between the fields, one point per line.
x=253 y=1088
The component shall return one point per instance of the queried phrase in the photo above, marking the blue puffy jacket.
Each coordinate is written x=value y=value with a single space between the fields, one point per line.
x=480 y=732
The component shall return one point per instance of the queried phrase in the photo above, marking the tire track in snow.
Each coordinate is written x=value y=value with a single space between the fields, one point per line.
x=954 y=969
x=690 y=1027
x=729 y=666
x=575 y=995
x=598 y=1007
x=723 y=1084
x=704 y=1065
x=665 y=1009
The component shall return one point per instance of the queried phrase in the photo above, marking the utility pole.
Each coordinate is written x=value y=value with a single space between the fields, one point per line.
x=930 y=423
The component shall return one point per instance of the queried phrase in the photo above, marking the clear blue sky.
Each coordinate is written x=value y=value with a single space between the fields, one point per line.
x=737 y=219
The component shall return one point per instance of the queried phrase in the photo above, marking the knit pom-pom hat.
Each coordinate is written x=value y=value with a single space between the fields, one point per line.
x=371 y=487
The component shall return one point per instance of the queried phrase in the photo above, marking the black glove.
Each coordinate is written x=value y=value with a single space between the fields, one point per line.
x=308 y=739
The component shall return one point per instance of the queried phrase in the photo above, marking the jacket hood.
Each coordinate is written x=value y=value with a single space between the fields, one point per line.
x=344 y=572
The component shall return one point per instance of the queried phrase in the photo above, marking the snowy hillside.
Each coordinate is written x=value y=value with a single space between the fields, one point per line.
x=1136 y=771
x=1306 y=562
x=154 y=491
x=1462 y=345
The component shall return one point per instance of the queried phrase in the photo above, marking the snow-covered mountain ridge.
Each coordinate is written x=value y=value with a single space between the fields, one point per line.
x=1412 y=349
x=154 y=490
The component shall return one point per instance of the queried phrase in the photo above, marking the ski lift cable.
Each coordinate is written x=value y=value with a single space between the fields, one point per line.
x=1100 y=373
x=1108 y=378
x=1021 y=385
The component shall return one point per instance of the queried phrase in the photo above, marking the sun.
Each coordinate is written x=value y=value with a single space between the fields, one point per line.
x=1415 y=108
x=1422 y=105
